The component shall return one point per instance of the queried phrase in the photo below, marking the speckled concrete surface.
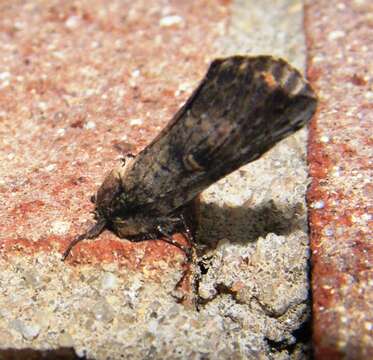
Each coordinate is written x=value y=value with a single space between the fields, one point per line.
x=340 y=196
x=80 y=83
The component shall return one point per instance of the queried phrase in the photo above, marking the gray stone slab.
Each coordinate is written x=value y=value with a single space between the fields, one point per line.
x=250 y=281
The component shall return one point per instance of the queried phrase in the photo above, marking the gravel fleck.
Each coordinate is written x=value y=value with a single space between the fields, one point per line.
x=28 y=331
x=109 y=281
x=170 y=20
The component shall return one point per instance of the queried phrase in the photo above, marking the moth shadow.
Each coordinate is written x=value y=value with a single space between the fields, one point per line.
x=243 y=224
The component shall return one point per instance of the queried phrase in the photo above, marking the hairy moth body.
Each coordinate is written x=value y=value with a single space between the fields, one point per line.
x=242 y=107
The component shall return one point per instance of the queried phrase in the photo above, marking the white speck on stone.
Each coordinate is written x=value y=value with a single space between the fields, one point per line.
x=89 y=92
x=5 y=83
x=19 y=25
x=364 y=48
x=207 y=292
x=132 y=83
x=318 y=204
x=90 y=125
x=28 y=331
x=121 y=92
x=153 y=326
x=133 y=291
x=81 y=352
x=4 y=75
x=31 y=331
x=95 y=44
x=350 y=59
x=109 y=281
x=138 y=121
x=50 y=167
x=337 y=34
x=170 y=20
x=72 y=22
x=118 y=43
x=59 y=54
x=59 y=227
x=135 y=73
x=61 y=132
x=368 y=325
x=318 y=58
x=183 y=87
x=336 y=171
x=42 y=105
x=124 y=137
x=366 y=217
x=368 y=95
x=328 y=231
x=235 y=200
x=324 y=138
x=102 y=311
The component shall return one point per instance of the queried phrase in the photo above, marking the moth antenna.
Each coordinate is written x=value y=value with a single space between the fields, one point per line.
x=92 y=233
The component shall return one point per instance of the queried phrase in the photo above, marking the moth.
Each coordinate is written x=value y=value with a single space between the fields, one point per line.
x=242 y=107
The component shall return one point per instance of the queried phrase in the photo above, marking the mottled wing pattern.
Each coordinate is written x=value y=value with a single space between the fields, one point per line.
x=242 y=108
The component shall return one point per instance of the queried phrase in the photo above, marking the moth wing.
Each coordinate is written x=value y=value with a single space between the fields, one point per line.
x=242 y=108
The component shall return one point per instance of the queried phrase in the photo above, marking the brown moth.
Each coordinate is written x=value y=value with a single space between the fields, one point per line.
x=242 y=107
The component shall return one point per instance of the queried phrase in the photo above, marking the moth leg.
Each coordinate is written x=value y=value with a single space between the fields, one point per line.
x=187 y=230
x=168 y=239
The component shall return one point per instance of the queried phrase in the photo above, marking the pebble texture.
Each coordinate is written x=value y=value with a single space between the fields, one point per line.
x=83 y=82
x=340 y=196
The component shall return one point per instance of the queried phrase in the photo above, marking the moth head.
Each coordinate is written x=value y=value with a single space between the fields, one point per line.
x=108 y=193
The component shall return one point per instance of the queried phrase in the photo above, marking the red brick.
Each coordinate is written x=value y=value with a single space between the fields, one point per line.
x=340 y=214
